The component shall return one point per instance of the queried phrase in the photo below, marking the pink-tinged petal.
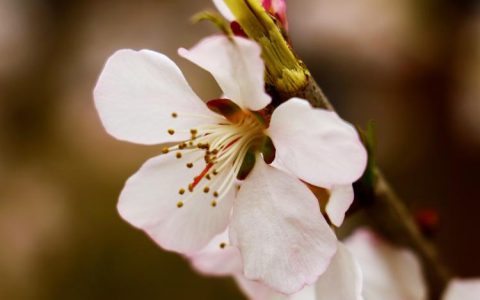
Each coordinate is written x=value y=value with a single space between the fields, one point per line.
x=307 y=293
x=151 y=197
x=137 y=93
x=257 y=291
x=267 y=4
x=343 y=279
x=224 y=10
x=388 y=272
x=316 y=145
x=278 y=8
x=463 y=289
x=341 y=197
x=277 y=224
x=218 y=258
x=236 y=65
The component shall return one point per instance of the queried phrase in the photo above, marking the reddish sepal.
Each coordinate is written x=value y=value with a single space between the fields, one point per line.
x=237 y=29
x=227 y=108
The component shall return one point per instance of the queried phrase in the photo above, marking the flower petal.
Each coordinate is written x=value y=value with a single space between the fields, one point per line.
x=138 y=91
x=463 y=289
x=343 y=278
x=316 y=145
x=388 y=272
x=150 y=197
x=218 y=258
x=342 y=281
x=341 y=197
x=224 y=10
x=284 y=240
x=277 y=8
x=258 y=291
x=237 y=67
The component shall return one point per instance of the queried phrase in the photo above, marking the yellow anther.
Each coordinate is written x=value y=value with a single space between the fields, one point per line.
x=193 y=131
x=181 y=191
x=206 y=189
x=174 y=115
x=214 y=203
x=215 y=172
x=215 y=194
x=190 y=187
x=189 y=165
x=171 y=131
x=179 y=155
x=179 y=204
x=208 y=177
x=223 y=245
x=165 y=150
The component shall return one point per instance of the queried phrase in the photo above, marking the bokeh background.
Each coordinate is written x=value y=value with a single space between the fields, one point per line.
x=411 y=66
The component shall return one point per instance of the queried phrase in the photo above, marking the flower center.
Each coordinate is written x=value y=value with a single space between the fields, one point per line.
x=225 y=149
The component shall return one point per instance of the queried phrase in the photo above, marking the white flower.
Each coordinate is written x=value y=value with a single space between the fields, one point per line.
x=189 y=194
x=463 y=289
x=367 y=268
x=391 y=273
x=388 y=272
x=341 y=281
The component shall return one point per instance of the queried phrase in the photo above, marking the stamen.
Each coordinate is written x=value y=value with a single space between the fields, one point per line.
x=224 y=147
x=193 y=133
x=223 y=245
x=171 y=131
x=207 y=159
x=174 y=115
x=165 y=150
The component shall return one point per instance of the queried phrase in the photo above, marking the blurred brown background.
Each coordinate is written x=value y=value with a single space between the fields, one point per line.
x=411 y=66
